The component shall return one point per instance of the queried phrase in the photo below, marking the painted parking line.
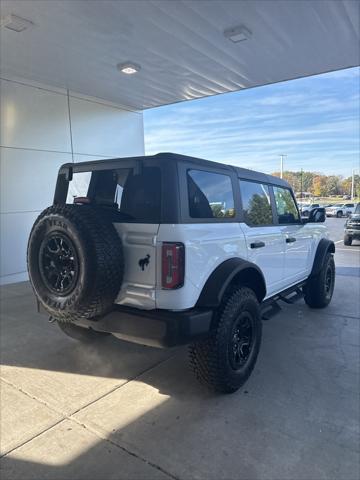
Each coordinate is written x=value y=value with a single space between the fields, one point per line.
x=348 y=271
x=348 y=249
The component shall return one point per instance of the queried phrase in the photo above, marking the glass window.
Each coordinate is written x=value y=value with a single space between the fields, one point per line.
x=285 y=206
x=135 y=196
x=79 y=186
x=210 y=195
x=256 y=203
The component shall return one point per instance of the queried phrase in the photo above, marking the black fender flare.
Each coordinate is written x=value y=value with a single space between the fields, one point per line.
x=325 y=246
x=219 y=280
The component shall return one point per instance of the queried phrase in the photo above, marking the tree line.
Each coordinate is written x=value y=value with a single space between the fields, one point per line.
x=321 y=185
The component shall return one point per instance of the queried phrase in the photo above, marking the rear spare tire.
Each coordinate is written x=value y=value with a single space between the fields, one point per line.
x=75 y=261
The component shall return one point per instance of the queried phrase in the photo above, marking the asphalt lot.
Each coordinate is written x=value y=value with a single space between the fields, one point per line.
x=117 y=410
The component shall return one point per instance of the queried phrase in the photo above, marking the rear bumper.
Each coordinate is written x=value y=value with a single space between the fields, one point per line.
x=156 y=328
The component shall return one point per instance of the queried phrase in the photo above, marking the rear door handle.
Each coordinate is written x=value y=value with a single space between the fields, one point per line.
x=290 y=240
x=257 y=245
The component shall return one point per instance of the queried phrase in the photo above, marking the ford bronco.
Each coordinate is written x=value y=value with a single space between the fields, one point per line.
x=169 y=250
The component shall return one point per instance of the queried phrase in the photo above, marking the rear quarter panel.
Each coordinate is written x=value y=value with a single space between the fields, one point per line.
x=206 y=246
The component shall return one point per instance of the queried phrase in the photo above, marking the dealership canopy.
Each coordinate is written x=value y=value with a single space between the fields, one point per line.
x=142 y=54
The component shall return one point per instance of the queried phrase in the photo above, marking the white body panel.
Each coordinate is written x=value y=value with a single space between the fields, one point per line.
x=139 y=284
x=270 y=258
x=207 y=245
x=298 y=253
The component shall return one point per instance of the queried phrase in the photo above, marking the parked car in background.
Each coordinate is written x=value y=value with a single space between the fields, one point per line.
x=352 y=227
x=306 y=208
x=340 y=210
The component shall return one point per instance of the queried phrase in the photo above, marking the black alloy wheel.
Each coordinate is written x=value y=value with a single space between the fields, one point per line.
x=241 y=341
x=58 y=263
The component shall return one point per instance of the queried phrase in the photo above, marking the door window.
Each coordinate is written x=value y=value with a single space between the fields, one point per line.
x=256 y=203
x=210 y=195
x=285 y=206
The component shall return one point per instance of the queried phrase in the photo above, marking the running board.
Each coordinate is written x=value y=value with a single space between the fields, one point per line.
x=293 y=298
x=270 y=310
x=270 y=307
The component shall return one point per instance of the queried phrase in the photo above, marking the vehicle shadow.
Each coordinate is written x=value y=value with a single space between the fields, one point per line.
x=164 y=424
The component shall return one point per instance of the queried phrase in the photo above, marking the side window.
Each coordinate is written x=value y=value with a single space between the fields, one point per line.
x=136 y=196
x=285 y=206
x=79 y=186
x=256 y=203
x=210 y=195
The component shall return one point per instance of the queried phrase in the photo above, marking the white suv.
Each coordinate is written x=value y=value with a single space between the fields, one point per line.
x=340 y=209
x=169 y=250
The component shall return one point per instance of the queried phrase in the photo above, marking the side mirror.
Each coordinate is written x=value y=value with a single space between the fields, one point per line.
x=316 y=215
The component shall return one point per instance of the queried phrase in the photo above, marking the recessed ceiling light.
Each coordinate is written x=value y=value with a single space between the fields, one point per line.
x=237 y=34
x=128 y=68
x=15 y=23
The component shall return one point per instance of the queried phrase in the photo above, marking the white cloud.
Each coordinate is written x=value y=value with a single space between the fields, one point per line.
x=315 y=121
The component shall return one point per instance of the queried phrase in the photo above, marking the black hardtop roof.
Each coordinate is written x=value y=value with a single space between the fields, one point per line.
x=242 y=173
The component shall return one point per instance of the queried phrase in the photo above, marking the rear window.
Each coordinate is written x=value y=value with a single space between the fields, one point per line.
x=210 y=195
x=136 y=196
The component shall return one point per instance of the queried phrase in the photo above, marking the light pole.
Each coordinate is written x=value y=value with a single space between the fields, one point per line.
x=282 y=156
x=352 y=184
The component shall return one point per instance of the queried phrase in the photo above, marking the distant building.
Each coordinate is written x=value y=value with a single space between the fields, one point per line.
x=303 y=194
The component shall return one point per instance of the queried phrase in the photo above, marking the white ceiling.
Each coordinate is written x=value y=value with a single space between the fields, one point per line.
x=179 y=44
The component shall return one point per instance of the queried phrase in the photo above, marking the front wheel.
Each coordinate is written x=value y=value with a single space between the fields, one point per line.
x=347 y=240
x=339 y=214
x=319 y=289
x=225 y=360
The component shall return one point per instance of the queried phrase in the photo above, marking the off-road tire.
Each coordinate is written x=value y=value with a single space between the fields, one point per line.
x=84 y=335
x=317 y=291
x=347 y=240
x=99 y=257
x=210 y=358
x=339 y=214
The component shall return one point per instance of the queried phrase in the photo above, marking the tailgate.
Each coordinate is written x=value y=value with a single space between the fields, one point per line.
x=139 y=282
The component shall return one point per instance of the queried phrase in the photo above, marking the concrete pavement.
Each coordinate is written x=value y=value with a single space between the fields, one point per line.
x=118 y=410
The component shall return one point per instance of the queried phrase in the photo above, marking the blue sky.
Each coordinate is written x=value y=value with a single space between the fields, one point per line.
x=314 y=120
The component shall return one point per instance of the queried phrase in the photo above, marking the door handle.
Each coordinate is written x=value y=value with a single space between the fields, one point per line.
x=257 y=244
x=290 y=240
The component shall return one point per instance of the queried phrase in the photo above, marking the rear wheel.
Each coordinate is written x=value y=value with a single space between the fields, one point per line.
x=319 y=289
x=225 y=360
x=81 y=334
x=347 y=240
x=339 y=214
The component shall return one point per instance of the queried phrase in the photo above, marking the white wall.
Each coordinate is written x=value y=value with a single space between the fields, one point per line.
x=42 y=128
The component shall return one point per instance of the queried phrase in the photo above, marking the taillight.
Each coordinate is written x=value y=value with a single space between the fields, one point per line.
x=173 y=265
